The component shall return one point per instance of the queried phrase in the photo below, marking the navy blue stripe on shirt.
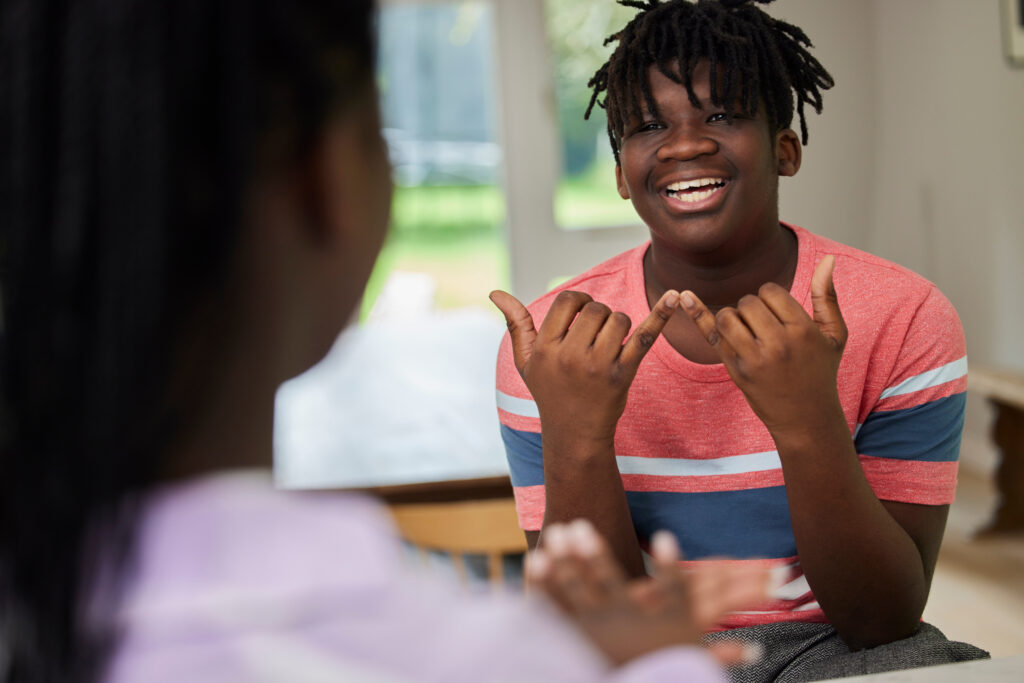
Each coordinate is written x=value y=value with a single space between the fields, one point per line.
x=523 y=450
x=929 y=432
x=740 y=524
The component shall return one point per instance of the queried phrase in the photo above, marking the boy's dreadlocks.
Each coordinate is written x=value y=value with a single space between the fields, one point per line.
x=752 y=57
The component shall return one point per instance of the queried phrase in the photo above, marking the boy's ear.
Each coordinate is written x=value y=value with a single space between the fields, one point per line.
x=620 y=183
x=788 y=151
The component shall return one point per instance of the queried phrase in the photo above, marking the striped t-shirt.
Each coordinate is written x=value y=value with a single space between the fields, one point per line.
x=696 y=460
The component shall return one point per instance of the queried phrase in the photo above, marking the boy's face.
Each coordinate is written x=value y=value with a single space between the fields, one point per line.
x=703 y=185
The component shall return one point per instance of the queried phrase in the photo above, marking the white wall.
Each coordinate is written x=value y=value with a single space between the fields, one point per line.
x=948 y=175
x=919 y=157
x=830 y=195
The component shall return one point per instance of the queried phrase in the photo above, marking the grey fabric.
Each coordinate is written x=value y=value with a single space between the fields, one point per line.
x=796 y=651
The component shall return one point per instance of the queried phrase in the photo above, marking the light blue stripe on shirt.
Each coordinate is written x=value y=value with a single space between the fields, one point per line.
x=932 y=378
x=688 y=467
x=523 y=407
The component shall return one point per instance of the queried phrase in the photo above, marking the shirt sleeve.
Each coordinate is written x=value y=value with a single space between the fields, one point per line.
x=520 y=432
x=909 y=444
x=240 y=587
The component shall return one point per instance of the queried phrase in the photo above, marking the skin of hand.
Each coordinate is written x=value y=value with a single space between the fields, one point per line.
x=576 y=366
x=579 y=370
x=869 y=562
x=783 y=360
x=627 y=618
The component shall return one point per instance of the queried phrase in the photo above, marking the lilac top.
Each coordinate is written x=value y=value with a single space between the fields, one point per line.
x=235 y=581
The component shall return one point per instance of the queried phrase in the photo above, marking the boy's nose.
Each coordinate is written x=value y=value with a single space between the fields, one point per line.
x=685 y=144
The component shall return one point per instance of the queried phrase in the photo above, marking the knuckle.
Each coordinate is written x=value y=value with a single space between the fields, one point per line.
x=568 y=296
x=621 y=319
x=645 y=339
x=748 y=300
x=596 y=308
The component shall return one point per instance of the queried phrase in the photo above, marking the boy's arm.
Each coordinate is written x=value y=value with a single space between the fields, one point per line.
x=578 y=371
x=868 y=562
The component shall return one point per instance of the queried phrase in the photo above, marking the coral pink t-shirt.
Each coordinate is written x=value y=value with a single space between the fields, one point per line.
x=695 y=459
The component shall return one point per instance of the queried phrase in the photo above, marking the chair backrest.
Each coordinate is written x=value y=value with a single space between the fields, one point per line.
x=478 y=527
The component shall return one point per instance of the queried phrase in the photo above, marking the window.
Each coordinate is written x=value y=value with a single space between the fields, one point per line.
x=446 y=247
x=586 y=195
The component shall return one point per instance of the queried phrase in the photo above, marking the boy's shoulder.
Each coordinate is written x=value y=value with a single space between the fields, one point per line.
x=867 y=273
x=886 y=306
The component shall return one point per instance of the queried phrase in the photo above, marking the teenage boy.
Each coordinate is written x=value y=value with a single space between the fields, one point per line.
x=766 y=424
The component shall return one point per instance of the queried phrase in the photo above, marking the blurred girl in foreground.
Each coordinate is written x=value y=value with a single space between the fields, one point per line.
x=192 y=197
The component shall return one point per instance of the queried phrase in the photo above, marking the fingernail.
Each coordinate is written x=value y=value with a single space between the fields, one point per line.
x=555 y=539
x=687 y=299
x=752 y=652
x=672 y=298
x=583 y=538
x=537 y=565
x=664 y=546
x=778 y=577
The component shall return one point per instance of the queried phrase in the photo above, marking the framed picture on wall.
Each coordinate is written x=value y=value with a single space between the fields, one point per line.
x=1013 y=31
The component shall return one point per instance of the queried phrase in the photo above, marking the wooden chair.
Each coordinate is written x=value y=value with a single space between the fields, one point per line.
x=479 y=527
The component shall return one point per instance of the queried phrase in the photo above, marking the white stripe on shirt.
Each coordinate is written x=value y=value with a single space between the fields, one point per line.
x=523 y=407
x=932 y=378
x=690 y=467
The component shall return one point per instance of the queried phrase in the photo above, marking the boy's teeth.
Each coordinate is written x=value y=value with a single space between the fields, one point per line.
x=694 y=197
x=687 y=190
x=693 y=184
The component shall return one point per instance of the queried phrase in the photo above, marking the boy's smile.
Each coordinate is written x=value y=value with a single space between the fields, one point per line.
x=702 y=184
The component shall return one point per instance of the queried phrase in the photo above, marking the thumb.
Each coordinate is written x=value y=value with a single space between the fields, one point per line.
x=825 y=303
x=520 y=326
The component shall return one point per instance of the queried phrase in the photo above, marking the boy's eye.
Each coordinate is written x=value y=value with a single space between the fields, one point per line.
x=718 y=116
x=645 y=126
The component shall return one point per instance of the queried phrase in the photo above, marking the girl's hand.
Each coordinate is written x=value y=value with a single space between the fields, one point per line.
x=629 y=618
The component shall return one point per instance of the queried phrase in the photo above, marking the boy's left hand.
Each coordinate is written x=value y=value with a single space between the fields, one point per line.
x=784 y=361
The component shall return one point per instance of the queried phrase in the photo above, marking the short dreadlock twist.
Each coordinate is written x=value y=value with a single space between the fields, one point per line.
x=752 y=56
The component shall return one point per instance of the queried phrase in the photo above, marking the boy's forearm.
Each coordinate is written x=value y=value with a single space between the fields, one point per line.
x=865 y=570
x=582 y=480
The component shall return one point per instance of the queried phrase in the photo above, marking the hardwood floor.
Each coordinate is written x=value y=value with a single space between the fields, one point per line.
x=977 y=593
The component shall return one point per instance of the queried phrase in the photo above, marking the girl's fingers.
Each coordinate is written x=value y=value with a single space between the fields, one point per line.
x=576 y=568
x=735 y=653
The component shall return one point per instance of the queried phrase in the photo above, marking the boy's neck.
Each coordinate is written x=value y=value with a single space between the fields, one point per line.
x=720 y=282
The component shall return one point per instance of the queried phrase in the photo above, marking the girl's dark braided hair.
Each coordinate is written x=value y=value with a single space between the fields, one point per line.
x=130 y=132
x=753 y=58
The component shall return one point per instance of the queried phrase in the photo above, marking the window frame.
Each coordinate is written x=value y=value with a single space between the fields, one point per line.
x=539 y=250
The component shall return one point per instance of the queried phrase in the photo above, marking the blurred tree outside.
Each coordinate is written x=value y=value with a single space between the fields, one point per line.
x=438 y=106
x=586 y=195
x=436 y=78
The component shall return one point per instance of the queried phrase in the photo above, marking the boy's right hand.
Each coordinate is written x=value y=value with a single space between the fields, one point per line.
x=577 y=367
x=626 y=619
